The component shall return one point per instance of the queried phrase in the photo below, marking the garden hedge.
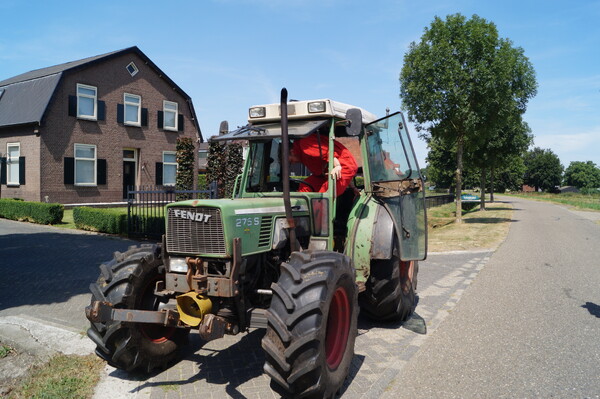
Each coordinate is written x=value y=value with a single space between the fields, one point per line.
x=112 y=221
x=37 y=212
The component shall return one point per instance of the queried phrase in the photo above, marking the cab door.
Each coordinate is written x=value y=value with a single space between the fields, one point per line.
x=396 y=182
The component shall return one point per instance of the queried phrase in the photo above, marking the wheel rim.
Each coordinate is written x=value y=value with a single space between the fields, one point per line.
x=154 y=333
x=338 y=328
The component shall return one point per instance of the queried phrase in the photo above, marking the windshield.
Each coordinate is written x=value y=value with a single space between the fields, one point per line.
x=265 y=166
x=391 y=156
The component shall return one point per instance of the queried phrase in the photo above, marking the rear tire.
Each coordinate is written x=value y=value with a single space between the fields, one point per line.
x=128 y=282
x=309 y=343
x=390 y=289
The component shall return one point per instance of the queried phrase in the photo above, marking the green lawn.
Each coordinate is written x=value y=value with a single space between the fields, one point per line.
x=580 y=201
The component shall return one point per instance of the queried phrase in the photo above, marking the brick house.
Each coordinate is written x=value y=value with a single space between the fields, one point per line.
x=83 y=131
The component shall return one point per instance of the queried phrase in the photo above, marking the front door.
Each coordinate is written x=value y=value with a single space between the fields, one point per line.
x=129 y=170
x=396 y=181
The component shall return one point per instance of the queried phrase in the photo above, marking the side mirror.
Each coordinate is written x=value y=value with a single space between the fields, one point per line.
x=353 y=122
x=223 y=128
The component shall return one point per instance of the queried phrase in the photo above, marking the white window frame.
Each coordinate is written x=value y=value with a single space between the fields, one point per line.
x=134 y=67
x=176 y=118
x=12 y=163
x=81 y=159
x=94 y=97
x=132 y=104
x=169 y=163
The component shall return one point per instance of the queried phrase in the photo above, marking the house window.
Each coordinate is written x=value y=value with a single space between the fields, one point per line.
x=133 y=109
x=132 y=69
x=170 y=115
x=87 y=105
x=85 y=165
x=13 y=152
x=169 y=168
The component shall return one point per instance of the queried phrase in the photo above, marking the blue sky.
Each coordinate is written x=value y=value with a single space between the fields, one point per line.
x=231 y=54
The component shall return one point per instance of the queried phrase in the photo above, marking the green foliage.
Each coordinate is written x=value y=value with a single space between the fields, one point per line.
x=5 y=350
x=235 y=163
x=582 y=175
x=225 y=162
x=216 y=164
x=112 y=221
x=510 y=177
x=37 y=212
x=186 y=169
x=461 y=84
x=542 y=169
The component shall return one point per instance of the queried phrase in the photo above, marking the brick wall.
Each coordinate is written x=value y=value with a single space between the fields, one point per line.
x=30 y=149
x=60 y=132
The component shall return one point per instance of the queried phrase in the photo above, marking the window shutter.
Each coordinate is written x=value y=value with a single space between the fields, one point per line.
x=159 y=173
x=144 y=116
x=120 y=113
x=101 y=171
x=69 y=172
x=72 y=105
x=101 y=110
x=160 y=119
x=2 y=170
x=21 y=171
x=180 y=123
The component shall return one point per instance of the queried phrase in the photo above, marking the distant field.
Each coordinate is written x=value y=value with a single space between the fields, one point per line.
x=581 y=201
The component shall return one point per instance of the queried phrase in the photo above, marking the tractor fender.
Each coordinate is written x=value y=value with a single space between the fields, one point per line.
x=382 y=238
x=372 y=235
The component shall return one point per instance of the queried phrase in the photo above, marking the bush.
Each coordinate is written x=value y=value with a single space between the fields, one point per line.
x=112 y=221
x=37 y=212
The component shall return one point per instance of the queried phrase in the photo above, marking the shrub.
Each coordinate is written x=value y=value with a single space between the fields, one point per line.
x=112 y=221
x=37 y=212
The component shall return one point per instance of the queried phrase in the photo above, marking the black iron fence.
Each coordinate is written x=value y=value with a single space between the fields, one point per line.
x=437 y=200
x=146 y=207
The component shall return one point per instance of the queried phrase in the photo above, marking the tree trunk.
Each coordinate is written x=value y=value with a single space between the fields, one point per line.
x=459 y=165
x=492 y=185
x=482 y=190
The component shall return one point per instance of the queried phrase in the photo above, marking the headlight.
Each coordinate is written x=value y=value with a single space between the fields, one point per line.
x=257 y=112
x=317 y=106
x=178 y=265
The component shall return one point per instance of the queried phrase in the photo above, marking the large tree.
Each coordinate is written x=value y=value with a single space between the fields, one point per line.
x=543 y=169
x=460 y=82
x=582 y=175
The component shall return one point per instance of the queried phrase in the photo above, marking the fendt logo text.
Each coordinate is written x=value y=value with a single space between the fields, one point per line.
x=195 y=216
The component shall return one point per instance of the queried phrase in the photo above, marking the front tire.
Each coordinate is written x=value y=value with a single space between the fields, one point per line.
x=312 y=325
x=128 y=282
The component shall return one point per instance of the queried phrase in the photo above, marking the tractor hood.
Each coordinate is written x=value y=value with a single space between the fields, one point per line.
x=208 y=227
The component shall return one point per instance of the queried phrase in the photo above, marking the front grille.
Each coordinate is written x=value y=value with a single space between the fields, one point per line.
x=264 y=237
x=189 y=233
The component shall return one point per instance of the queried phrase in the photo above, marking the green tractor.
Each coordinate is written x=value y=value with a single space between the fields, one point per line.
x=298 y=264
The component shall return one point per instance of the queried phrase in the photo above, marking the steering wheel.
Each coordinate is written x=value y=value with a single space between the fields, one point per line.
x=299 y=181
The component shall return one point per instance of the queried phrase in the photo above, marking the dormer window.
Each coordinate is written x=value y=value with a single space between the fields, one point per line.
x=132 y=69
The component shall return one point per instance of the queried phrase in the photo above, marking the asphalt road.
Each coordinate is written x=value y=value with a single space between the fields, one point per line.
x=529 y=324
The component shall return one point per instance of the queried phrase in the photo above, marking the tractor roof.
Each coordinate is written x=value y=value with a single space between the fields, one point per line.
x=304 y=110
